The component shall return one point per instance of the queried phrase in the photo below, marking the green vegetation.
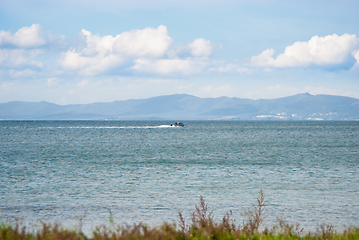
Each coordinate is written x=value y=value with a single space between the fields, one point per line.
x=202 y=226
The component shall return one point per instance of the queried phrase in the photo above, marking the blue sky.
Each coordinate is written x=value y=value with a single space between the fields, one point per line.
x=77 y=51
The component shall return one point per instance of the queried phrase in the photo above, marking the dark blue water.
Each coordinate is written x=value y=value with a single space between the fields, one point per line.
x=64 y=171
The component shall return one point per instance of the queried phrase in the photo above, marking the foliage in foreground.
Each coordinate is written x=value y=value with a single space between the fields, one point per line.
x=202 y=226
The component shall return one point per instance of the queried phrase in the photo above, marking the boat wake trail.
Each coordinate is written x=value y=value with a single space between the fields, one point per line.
x=113 y=127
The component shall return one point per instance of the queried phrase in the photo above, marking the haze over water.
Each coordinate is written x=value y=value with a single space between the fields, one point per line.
x=61 y=171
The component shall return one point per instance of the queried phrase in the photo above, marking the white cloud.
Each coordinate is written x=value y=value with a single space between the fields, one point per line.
x=83 y=83
x=22 y=73
x=330 y=50
x=19 y=57
x=167 y=66
x=96 y=44
x=356 y=56
x=210 y=91
x=26 y=37
x=140 y=50
x=22 y=49
x=7 y=85
x=230 y=68
x=148 y=42
x=201 y=47
x=103 y=53
x=89 y=65
x=51 y=80
x=148 y=50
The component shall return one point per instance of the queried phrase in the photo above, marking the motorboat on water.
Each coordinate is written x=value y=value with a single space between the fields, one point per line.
x=178 y=124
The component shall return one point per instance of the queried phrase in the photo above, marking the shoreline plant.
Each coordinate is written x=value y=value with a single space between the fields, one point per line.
x=202 y=227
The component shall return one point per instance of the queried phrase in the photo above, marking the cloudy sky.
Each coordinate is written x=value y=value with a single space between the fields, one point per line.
x=83 y=51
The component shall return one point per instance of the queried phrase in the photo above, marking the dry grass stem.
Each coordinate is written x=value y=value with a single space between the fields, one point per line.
x=203 y=228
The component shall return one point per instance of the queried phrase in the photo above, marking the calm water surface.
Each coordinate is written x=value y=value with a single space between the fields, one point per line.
x=64 y=171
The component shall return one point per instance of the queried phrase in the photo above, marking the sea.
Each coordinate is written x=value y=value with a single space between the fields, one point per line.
x=86 y=174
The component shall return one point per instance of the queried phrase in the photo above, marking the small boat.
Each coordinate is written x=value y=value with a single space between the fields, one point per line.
x=178 y=124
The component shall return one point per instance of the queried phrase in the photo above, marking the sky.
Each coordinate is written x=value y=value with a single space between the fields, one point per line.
x=85 y=51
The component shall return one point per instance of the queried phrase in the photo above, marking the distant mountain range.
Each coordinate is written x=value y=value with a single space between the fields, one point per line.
x=186 y=107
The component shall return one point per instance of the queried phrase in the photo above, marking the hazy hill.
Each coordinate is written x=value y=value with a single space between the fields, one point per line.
x=187 y=107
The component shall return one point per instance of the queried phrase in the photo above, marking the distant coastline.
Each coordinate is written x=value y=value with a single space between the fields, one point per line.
x=300 y=107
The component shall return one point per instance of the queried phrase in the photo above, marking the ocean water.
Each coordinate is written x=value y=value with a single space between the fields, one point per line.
x=77 y=172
